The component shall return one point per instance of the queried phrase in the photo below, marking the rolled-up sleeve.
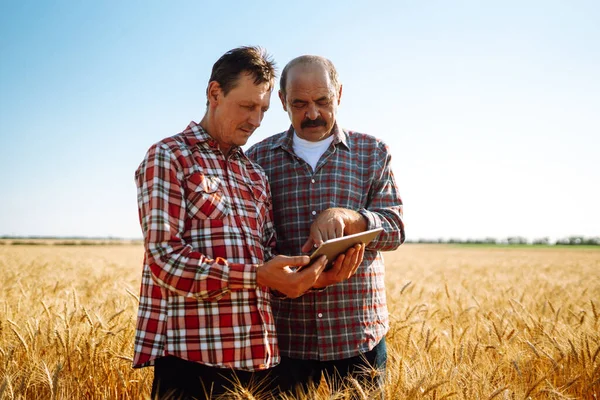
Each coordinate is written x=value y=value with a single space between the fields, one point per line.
x=384 y=205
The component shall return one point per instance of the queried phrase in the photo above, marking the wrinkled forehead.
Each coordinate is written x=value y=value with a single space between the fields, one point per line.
x=310 y=79
x=247 y=91
x=249 y=78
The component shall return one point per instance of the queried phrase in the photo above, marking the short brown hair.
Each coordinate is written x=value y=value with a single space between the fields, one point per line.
x=307 y=60
x=253 y=60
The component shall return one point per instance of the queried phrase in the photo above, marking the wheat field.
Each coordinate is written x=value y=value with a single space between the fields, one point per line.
x=467 y=323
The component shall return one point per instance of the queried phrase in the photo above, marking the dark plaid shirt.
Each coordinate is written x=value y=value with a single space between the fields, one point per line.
x=351 y=317
x=207 y=224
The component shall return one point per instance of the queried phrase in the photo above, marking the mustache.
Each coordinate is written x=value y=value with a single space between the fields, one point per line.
x=311 y=123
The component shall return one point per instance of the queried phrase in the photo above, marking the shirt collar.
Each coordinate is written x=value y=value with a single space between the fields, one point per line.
x=286 y=140
x=195 y=134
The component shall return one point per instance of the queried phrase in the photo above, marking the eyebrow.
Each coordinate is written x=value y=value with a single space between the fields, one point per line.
x=250 y=104
x=322 y=98
x=253 y=104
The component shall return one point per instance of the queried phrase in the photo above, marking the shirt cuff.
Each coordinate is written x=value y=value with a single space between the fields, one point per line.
x=242 y=276
x=373 y=220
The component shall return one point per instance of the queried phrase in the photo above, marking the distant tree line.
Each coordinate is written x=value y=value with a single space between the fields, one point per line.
x=65 y=240
x=511 y=240
x=518 y=240
x=42 y=237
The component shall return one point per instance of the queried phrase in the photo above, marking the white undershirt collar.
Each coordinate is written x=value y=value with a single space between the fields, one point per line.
x=309 y=151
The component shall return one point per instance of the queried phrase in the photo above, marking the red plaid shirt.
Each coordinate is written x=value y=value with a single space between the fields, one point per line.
x=207 y=224
x=351 y=317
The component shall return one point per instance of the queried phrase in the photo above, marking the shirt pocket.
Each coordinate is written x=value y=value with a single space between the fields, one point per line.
x=260 y=202
x=259 y=192
x=257 y=188
x=205 y=197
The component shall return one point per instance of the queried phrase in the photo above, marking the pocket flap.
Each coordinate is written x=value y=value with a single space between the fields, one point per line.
x=260 y=194
x=200 y=182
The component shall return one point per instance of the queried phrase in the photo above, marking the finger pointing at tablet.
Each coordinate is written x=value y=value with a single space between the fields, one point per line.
x=333 y=223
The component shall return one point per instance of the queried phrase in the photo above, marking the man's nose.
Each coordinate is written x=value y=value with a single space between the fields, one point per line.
x=312 y=112
x=256 y=118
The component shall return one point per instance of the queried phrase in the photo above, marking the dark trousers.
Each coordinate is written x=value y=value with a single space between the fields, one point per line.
x=368 y=369
x=175 y=378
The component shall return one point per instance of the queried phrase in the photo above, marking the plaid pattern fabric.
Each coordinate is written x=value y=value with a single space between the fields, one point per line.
x=207 y=224
x=349 y=318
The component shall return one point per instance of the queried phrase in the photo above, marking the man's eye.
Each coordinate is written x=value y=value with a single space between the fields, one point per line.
x=298 y=105
x=323 y=102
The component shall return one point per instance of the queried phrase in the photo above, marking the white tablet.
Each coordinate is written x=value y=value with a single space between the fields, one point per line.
x=334 y=247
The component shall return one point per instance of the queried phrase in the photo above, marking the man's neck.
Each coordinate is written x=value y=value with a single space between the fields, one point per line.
x=207 y=125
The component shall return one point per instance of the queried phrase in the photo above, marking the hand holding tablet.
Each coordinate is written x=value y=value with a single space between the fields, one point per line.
x=334 y=247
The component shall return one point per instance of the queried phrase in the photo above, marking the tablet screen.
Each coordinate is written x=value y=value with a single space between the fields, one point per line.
x=334 y=247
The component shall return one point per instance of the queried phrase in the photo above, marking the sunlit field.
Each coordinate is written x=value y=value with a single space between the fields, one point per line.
x=467 y=323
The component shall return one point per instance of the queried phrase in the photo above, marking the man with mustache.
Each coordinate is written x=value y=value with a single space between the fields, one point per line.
x=329 y=182
x=204 y=318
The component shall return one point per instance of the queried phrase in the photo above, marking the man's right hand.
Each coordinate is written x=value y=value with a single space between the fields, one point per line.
x=278 y=275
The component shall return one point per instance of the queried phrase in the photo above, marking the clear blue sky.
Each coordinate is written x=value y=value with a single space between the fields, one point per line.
x=491 y=109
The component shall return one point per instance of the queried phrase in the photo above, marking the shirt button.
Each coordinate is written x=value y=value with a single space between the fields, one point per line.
x=314 y=213
x=320 y=315
x=312 y=181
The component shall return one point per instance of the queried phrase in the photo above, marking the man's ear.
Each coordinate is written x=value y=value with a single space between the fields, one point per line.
x=340 y=95
x=282 y=98
x=214 y=93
